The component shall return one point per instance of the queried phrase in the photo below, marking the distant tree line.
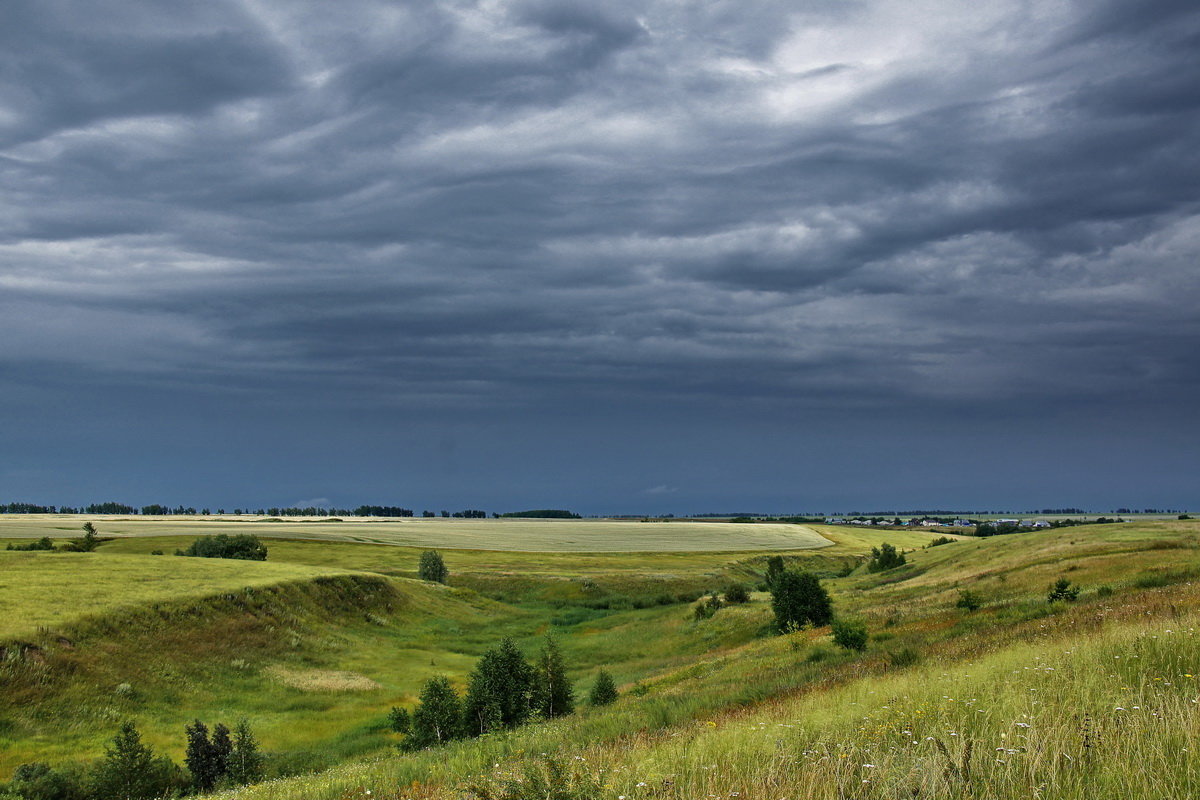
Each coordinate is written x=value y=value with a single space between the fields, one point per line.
x=542 y=513
x=130 y=769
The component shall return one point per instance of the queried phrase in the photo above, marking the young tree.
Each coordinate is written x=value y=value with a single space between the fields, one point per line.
x=130 y=771
x=86 y=543
x=552 y=695
x=432 y=567
x=399 y=720
x=222 y=749
x=200 y=757
x=604 y=690
x=438 y=717
x=798 y=599
x=1063 y=590
x=245 y=762
x=499 y=690
x=774 y=570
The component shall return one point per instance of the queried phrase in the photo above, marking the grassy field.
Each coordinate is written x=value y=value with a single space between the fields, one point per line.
x=316 y=653
x=520 y=535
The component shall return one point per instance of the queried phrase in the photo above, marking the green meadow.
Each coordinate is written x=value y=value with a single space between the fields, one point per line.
x=314 y=646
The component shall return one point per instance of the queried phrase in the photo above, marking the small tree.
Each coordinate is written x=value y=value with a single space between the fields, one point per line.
x=774 y=570
x=886 y=556
x=432 y=567
x=130 y=770
x=968 y=600
x=849 y=634
x=438 y=717
x=200 y=757
x=798 y=599
x=245 y=762
x=604 y=690
x=86 y=543
x=1063 y=590
x=552 y=694
x=498 y=695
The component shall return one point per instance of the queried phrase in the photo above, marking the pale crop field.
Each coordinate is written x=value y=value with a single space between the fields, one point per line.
x=514 y=535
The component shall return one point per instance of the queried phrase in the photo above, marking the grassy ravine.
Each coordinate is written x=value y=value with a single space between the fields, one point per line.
x=317 y=661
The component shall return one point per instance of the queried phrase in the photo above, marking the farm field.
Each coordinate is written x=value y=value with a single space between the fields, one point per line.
x=521 y=535
x=315 y=645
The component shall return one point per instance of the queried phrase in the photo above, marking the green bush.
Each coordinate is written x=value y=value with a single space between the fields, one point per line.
x=906 y=657
x=241 y=546
x=736 y=593
x=706 y=608
x=884 y=557
x=798 y=599
x=553 y=781
x=1063 y=589
x=850 y=634
x=432 y=567
x=44 y=543
x=604 y=690
x=968 y=600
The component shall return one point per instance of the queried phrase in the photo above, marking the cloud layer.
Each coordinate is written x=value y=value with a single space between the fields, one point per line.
x=552 y=205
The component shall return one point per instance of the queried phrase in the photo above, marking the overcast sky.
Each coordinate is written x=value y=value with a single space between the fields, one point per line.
x=617 y=257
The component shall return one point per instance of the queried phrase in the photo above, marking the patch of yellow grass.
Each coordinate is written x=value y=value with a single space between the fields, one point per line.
x=321 y=680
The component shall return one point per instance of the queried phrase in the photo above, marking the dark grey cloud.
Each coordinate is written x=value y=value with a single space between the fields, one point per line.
x=539 y=208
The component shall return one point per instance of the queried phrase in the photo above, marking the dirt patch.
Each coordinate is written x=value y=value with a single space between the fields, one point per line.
x=321 y=680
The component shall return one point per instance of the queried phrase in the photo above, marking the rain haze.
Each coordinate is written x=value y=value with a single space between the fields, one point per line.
x=620 y=257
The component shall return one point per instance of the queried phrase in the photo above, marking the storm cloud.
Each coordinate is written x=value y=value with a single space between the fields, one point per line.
x=855 y=227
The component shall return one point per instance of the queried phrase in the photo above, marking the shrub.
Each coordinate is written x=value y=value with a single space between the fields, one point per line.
x=849 y=634
x=798 y=599
x=432 y=567
x=86 y=543
x=1063 y=589
x=968 y=600
x=399 y=720
x=241 y=546
x=604 y=690
x=1104 y=591
x=886 y=556
x=44 y=543
x=40 y=781
x=554 y=780
x=941 y=540
x=736 y=593
x=906 y=657
x=706 y=608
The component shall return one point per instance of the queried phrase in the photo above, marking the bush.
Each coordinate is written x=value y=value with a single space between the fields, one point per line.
x=44 y=543
x=736 y=593
x=968 y=600
x=904 y=658
x=554 y=780
x=1063 y=589
x=941 y=540
x=798 y=599
x=40 y=781
x=432 y=567
x=241 y=546
x=885 y=557
x=706 y=608
x=851 y=635
x=399 y=720
x=604 y=690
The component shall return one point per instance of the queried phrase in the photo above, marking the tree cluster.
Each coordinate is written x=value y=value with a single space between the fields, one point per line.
x=541 y=513
x=504 y=691
x=131 y=770
x=886 y=556
x=241 y=546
